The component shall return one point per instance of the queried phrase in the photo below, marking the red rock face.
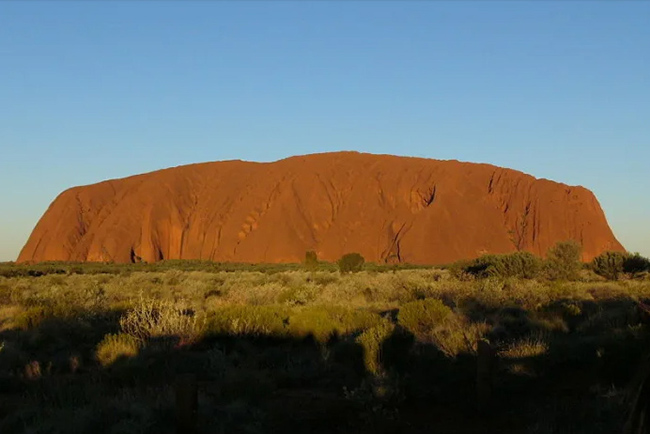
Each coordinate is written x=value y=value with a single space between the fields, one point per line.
x=389 y=209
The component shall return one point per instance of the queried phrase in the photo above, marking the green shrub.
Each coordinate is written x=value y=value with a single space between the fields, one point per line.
x=635 y=264
x=422 y=316
x=114 y=346
x=432 y=322
x=249 y=320
x=609 y=264
x=298 y=295
x=351 y=263
x=458 y=270
x=371 y=340
x=321 y=322
x=31 y=317
x=518 y=264
x=324 y=321
x=563 y=260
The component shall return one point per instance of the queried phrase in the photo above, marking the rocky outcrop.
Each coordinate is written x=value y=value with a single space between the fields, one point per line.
x=389 y=209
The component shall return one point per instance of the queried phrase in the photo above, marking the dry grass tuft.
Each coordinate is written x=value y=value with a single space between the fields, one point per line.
x=114 y=347
x=531 y=346
x=161 y=318
x=371 y=341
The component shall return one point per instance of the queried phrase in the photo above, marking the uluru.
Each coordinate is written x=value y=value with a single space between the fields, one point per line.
x=388 y=208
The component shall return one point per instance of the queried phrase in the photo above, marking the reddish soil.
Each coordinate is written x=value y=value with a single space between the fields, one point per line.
x=389 y=209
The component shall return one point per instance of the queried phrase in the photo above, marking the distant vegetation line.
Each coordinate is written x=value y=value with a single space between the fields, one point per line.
x=11 y=269
x=562 y=262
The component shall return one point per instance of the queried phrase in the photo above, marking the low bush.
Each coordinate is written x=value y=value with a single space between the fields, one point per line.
x=31 y=317
x=519 y=264
x=298 y=295
x=610 y=265
x=160 y=319
x=530 y=346
x=422 y=316
x=115 y=346
x=322 y=322
x=372 y=340
x=635 y=264
x=430 y=321
x=351 y=263
x=249 y=320
x=458 y=270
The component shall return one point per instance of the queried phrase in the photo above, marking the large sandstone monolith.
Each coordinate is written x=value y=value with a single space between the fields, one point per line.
x=389 y=209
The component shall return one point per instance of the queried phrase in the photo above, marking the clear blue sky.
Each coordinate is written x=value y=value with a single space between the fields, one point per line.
x=97 y=90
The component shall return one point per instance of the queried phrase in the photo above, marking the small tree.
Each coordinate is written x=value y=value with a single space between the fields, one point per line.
x=351 y=263
x=311 y=260
x=609 y=264
x=563 y=260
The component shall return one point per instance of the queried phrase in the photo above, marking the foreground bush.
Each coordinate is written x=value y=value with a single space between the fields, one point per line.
x=351 y=263
x=430 y=321
x=322 y=322
x=32 y=317
x=518 y=264
x=610 y=264
x=422 y=316
x=635 y=264
x=249 y=321
x=563 y=260
x=113 y=347
x=160 y=319
x=372 y=340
